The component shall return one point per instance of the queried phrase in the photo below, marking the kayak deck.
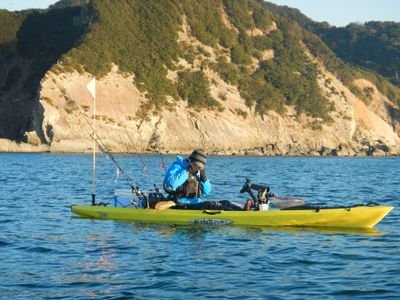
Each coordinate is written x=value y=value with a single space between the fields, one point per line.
x=348 y=217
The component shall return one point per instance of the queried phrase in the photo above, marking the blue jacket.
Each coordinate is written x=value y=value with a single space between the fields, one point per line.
x=177 y=175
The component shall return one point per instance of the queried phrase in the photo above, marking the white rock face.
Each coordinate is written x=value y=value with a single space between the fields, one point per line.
x=356 y=129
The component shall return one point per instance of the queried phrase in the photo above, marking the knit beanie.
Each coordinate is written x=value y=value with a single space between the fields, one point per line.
x=198 y=155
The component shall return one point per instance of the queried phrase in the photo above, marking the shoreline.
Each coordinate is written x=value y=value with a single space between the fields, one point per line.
x=184 y=153
x=285 y=150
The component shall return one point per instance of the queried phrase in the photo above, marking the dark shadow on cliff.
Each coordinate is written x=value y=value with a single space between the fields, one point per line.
x=42 y=39
x=394 y=114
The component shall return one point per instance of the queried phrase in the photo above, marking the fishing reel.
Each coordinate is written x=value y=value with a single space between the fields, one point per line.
x=263 y=193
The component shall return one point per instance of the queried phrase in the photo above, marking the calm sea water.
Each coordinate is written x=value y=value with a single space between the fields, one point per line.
x=45 y=253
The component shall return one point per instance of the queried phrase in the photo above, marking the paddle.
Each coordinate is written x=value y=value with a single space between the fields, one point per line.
x=163 y=205
x=284 y=202
x=287 y=198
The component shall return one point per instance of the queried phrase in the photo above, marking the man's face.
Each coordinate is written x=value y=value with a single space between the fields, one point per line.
x=196 y=165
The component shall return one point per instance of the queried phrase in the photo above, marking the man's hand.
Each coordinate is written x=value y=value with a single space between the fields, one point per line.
x=203 y=176
x=192 y=168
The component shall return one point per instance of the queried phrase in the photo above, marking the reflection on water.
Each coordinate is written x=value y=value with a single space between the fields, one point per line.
x=196 y=231
x=104 y=251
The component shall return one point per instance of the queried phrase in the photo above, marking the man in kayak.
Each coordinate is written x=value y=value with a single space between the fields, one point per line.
x=186 y=182
x=186 y=179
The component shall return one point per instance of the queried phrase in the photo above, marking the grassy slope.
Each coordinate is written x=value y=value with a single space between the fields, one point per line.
x=143 y=40
x=373 y=47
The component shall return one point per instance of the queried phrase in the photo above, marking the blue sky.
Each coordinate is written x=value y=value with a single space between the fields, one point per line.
x=335 y=12
x=25 y=4
x=343 y=12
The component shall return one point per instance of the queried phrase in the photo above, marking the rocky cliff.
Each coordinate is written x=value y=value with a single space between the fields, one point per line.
x=355 y=129
x=61 y=110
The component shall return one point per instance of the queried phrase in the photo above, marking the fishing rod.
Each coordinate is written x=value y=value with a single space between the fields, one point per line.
x=162 y=161
x=145 y=167
x=91 y=87
x=103 y=149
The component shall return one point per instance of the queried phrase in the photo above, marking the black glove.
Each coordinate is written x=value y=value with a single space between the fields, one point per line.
x=203 y=176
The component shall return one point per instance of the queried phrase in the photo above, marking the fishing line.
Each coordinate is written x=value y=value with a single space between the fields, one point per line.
x=145 y=167
x=108 y=154
x=103 y=150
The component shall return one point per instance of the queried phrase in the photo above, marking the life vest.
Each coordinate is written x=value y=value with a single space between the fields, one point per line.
x=190 y=189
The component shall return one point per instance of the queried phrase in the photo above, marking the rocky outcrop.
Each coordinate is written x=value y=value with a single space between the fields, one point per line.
x=67 y=122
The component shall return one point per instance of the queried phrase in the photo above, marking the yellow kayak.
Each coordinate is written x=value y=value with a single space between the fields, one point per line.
x=344 y=217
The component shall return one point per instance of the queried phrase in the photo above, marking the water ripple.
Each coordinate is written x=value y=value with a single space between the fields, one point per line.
x=47 y=254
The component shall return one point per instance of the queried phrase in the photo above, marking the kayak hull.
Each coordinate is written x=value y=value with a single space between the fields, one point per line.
x=349 y=217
